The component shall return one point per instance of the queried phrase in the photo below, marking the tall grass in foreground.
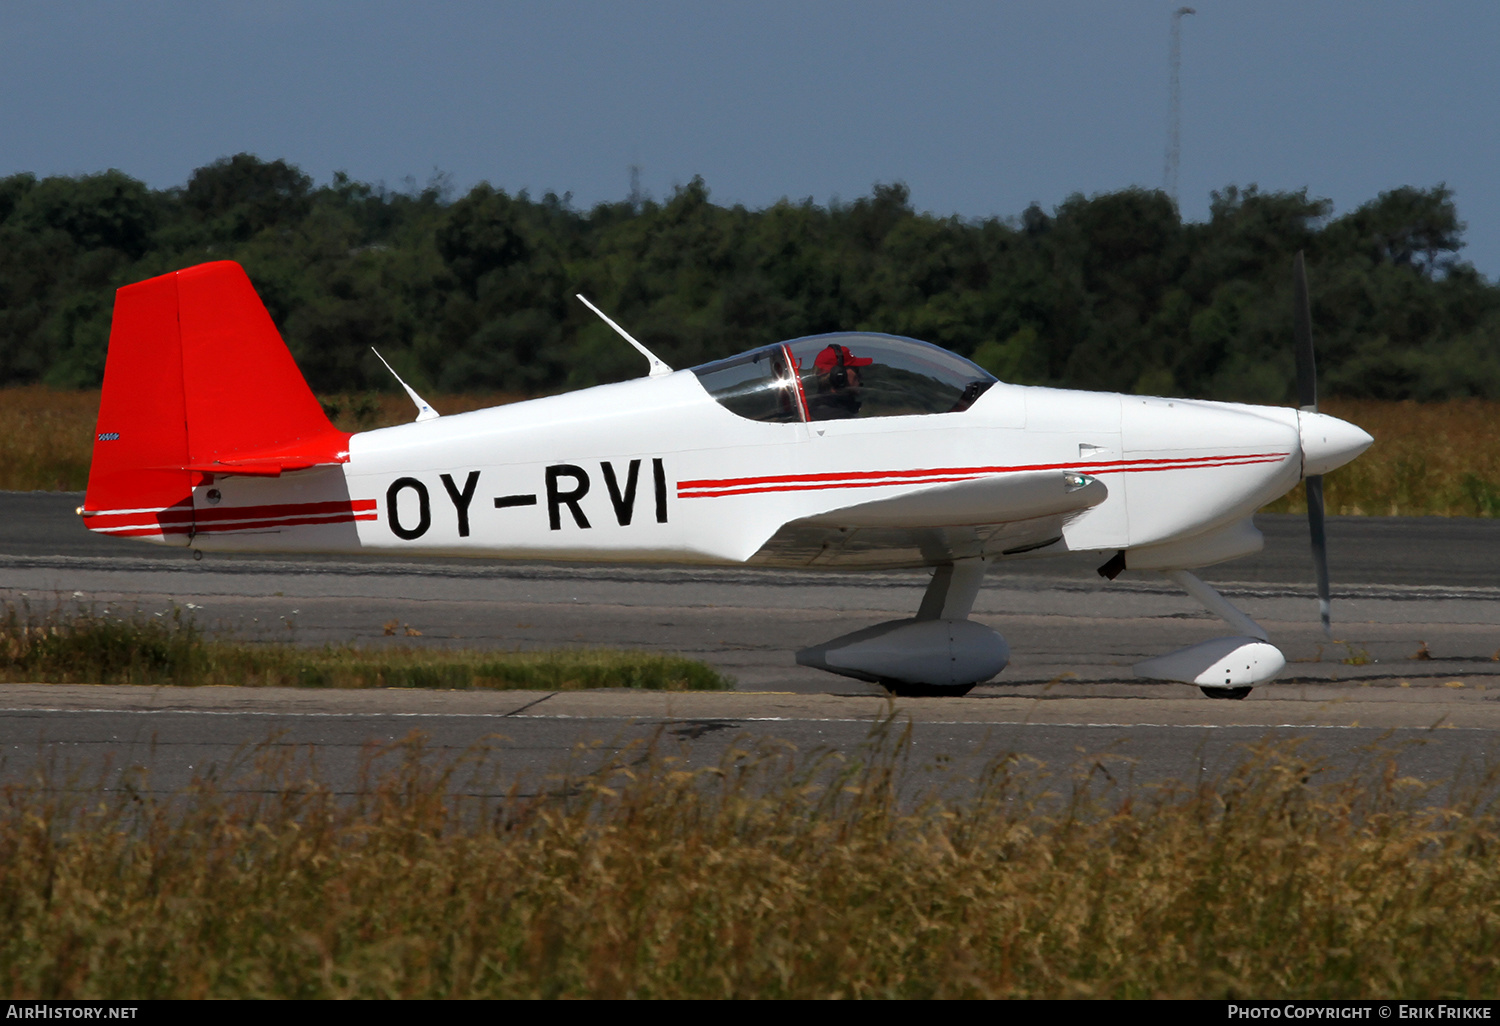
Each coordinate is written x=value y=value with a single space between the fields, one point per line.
x=767 y=875
x=83 y=647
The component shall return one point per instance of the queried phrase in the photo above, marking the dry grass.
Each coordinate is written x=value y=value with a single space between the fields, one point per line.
x=1432 y=459
x=46 y=435
x=767 y=875
x=1429 y=459
x=363 y=411
x=46 y=438
x=82 y=647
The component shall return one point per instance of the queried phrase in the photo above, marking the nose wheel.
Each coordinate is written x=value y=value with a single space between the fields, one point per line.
x=1233 y=693
x=901 y=689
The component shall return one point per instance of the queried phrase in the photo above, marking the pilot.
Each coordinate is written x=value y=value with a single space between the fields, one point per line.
x=839 y=383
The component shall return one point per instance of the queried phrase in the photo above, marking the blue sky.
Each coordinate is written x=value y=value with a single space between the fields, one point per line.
x=981 y=108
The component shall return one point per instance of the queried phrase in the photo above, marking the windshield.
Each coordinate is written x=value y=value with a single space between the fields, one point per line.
x=866 y=375
x=843 y=376
x=758 y=385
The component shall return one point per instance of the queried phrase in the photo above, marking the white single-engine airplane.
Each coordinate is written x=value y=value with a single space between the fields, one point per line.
x=848 y=450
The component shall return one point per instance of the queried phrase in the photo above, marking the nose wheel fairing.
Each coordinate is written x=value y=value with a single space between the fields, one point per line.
x=1221 y=667
x=1217 y=663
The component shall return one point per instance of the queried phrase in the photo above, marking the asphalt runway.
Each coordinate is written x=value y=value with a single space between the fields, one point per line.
x=1417 y=603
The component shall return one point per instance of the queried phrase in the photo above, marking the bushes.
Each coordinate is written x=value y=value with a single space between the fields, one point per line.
x=1112 y=291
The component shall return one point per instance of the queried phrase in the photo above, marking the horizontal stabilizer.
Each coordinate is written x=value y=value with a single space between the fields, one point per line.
x=300 y=456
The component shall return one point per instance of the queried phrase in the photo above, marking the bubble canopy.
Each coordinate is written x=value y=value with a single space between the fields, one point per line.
x=843 y=376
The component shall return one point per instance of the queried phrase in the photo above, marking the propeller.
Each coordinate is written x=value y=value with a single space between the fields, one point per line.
x=1307 y=398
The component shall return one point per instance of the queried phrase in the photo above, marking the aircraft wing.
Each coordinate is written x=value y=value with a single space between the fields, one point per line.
x=1003 y=514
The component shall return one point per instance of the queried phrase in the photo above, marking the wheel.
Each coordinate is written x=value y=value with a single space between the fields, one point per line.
x=901 y=689
x=1235 y=693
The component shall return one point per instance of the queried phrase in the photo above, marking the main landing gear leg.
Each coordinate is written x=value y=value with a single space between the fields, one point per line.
x=951 y=593
x=1223 y=667
x=940 y=651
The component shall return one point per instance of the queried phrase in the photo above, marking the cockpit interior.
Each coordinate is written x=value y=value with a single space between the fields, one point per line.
x=843 y=376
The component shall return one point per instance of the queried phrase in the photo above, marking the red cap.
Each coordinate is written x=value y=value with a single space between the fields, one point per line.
x=827 y=360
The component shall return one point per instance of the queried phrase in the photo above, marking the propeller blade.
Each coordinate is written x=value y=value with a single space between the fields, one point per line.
x=1307 y=370
x=1307 y=398
x=1319 y=547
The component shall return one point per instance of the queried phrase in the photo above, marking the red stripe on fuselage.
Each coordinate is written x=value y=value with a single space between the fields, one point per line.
x=261 y=525
x=182 y=519
x=284 y=509
x=708 y=488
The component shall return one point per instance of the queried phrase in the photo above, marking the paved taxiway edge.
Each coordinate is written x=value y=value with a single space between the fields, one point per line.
x=1294 y=707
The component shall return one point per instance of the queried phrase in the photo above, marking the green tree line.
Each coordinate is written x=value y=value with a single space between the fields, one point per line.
x=1113 y=291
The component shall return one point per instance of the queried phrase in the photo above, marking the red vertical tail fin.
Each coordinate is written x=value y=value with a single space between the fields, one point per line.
x=197 y=381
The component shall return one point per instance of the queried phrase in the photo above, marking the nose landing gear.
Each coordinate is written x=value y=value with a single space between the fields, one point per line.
x=1221 y=667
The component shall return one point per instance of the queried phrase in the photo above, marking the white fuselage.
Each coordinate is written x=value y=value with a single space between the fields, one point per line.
x=656 y=470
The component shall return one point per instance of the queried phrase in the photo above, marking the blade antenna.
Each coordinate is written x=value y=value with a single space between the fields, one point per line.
x=658 y=368
x=424 y=409
x=1307 y=398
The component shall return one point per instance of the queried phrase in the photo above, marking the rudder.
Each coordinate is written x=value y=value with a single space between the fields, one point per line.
x=197 y=382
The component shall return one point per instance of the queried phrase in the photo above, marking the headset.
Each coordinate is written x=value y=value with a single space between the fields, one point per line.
x=838 y=375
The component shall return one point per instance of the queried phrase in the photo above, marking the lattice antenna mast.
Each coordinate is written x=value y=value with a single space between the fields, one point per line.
x=1174 y=115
